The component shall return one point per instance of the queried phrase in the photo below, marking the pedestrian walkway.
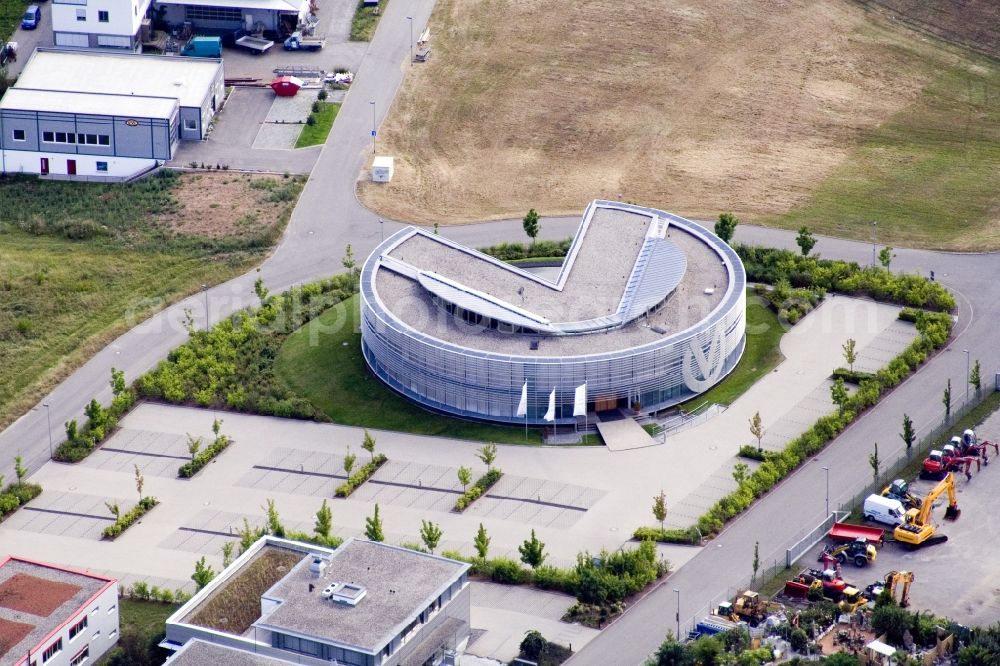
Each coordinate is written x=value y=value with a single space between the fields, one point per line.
x=624 y=434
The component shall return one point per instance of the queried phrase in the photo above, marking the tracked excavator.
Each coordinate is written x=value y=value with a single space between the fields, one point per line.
x=918 y=529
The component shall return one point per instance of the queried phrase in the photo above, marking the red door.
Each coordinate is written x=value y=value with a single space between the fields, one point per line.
x=44 y=170
x=71 y=167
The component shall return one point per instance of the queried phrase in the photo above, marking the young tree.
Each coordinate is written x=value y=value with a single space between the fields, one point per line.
x=850 y=353
x=726 y=226
x=885 y=256
x=756 y=561
x=324 y=521
x=260 y=289
x=373 y=527
x=368 y=444
x=349 y=461
x=216 y=427
x=140 y=481
x=114 y=509
x=227 y=553
x=118 y=385
x=839 y=395
x=351 y=264
x=482 y=542
x=946 y=401
x=20 y=471
x=249 y=535
x=430 y=534
x=532 y=551
x=975 y=377
x=909 y=435
x=194 y=444
x=757 y=429
x=531 y=225
x=274 y=524
x=488 y=454
x=806 y=241
x=660 y=508
x=875 y=462
x=740 y=473
x=203 y=573
x=464 y=477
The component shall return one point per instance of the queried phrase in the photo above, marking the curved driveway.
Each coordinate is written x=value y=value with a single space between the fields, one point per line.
x=328 y=217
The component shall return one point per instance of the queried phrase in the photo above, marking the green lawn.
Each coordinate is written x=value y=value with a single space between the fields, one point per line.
x=365 y=21
x=929 y=177
x=144 y=620
x=322 y=361
x=10 y=17
x=764 y=331
x=314 y=135
x=81 y=263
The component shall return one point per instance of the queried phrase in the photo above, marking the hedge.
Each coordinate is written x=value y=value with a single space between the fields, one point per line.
x=771 y=265
x=357 y=478
x=689 y=535
x=129 y=518
x=542 y=249
x=851 y=376
x=193 y=466
x=16 y=495
x=478 y=489
x=101 y=423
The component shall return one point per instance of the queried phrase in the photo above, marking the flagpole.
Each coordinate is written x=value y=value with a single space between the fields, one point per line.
x=526 y=409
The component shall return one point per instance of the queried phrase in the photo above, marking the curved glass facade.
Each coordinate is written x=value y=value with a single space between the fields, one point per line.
x=474 y=383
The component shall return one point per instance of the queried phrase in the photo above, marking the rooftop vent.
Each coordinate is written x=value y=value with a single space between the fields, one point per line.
x=534 y=345
x=317 y=565
x=347 y=594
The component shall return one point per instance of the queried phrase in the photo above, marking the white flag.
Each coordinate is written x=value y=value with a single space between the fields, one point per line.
x=580 y=401
x=522 y=406
x=551 y=414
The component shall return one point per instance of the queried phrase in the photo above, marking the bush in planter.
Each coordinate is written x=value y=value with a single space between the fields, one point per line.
x=508 y=572
x=193 y=466
x=478 y=489
x=127 y=519
x=360 y=476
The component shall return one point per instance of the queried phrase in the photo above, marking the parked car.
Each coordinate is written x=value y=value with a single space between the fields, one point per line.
x=32 y=17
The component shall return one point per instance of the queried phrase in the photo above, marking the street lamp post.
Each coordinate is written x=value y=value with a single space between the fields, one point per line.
x=208 y=321
x=48 y=423
x=410 y=19
x=677 y=616
x=968 y=375
x=874 y=243
x=827 y=470
x=381 y=229
x=373 y=125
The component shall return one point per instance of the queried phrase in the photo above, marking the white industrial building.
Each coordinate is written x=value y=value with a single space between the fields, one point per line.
x=55 y=616
x=112 y=24
x=104 y=115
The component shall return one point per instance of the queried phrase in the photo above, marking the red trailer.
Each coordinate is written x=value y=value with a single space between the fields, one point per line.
x=848 y=532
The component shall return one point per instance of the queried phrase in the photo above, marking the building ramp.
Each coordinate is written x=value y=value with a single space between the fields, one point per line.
x=624 y=434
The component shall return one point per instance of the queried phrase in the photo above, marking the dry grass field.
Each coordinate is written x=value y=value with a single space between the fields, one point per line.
x=693 y=106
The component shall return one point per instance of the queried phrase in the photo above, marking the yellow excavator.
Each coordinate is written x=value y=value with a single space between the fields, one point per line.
x=894 y=578
x=917 y=528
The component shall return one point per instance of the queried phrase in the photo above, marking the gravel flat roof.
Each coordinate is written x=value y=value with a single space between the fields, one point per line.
x=42 y=597
x=199 y=653
x=593 y=288
x=686 y=306
x=400 y=584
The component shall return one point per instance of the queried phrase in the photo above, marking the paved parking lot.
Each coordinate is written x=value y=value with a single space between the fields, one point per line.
x=156 y=453
x=66 y=514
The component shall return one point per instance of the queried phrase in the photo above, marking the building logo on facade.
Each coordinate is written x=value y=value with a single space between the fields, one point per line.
x=131 y=122
x=701 y=369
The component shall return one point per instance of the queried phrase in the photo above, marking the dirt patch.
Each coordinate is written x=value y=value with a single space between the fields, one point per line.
x=225 y=204
x=695 y=107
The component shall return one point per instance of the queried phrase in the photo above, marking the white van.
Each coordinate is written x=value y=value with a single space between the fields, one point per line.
x=884 y=510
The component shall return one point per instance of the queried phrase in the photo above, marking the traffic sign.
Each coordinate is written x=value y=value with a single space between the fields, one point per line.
x=373 y=132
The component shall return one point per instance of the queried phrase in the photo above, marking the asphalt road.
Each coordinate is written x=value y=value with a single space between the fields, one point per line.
x=328 y=217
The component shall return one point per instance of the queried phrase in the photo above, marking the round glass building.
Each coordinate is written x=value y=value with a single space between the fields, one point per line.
x=648 y=311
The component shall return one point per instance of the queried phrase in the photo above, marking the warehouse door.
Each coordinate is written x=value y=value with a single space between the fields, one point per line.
x=44 y=168
x=71 y=167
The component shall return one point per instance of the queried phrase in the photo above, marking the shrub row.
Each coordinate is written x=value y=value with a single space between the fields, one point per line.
x=606 y=579
x=771 y=265
x=689 y=535
x=542 y=248
x=934 y=329
x=478 y=489
x=16 y=495
x=101 y=423
x=129 y=518
x=752 y=452
x=315 y=539
x=851 y=376
x=357 y=478
x=791 y=304
x=230 y=366
x=143 y=591
x=193 y=466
